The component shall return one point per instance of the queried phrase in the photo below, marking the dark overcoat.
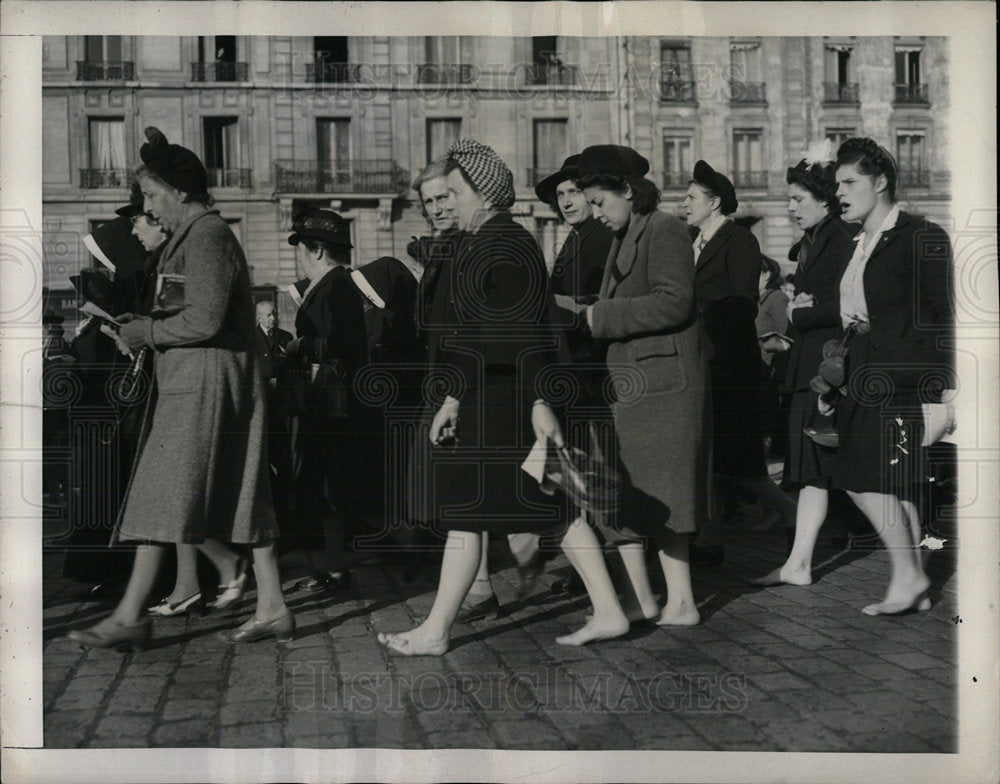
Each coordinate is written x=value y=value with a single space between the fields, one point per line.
x=657 y=359
x=201 y=471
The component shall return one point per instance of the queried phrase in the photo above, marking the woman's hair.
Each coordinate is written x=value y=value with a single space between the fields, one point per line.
x=206 y=198
x=817 y=178
x=773 y=270
x=710 y=192
x=432 y=171
x=872 y=159
x=338 y=253
x=645 y=194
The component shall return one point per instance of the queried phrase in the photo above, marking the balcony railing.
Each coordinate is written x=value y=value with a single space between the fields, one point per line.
x=220 y=71
x=750 y=179
x=229 y=178
x=914 y=179
x=356 y=176
x=123 y=71
x=676 y=91
x=911 y=93
x=444 y=73
x=105 y=178
x=322 y=71
x=840 y=92
x=747 y=92
x=676 y=179
x=560 y=75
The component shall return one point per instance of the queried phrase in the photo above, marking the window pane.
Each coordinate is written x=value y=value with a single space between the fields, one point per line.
x=94 y=48
x=107 y=144
x=543 y=49
x=441 y=134
x=550 y=144
x=113 y=48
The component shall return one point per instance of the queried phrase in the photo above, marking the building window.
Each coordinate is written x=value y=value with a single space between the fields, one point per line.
x=222 y=153
x=108 y=162
x=839 y=86
x=746 y=83
x=910 y=146
x=547 y=66
x=839 y=135
x=103 y=60
x=748 y=164
x=677 y=159
x=549 y=148
x=908 y=85
x=217 y=60
x=441 y=134
x=331 y=60
x=333 y=153
x=676 y=75
x=443 y=61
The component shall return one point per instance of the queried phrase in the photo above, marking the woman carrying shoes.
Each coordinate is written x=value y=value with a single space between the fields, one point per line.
x=814 y=314
x=200 y=472
x=895 y=296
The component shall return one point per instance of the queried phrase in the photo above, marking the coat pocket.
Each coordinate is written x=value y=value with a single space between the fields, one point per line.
x=659 y=363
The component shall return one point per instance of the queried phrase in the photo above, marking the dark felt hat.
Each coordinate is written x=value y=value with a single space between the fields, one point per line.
x=94 y=286
x=612 y=159
x=175 y=165
x=322 y=225
x=134 y=206
x=114 y=245
x=546 y=188
x=718 y=184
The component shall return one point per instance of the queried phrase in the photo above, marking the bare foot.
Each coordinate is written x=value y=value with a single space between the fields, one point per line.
x=413 y=643
x=604 y=628
x=681 y=616
x=785 y=575
x=904 y=598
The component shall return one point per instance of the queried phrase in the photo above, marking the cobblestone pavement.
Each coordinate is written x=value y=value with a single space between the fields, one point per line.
x=798 y=669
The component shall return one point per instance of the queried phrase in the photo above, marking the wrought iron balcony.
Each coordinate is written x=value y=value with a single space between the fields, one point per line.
x=105 y=178
x=911 y=93
x=444 y=73
x=322 y=71
x=914 y=178
x=87 y=71
x=747 y=92
x=750 y=179
x=229 y=178
x=840 y=92
x=676 y=179
x=554 y=74
x=676 y=91
x=219 y=71
x=355 y=176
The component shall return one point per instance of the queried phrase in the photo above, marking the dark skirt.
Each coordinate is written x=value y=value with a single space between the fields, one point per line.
x=807 y=462
x=880 y=432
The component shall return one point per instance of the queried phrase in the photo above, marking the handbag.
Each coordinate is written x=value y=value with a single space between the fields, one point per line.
x=586 y=479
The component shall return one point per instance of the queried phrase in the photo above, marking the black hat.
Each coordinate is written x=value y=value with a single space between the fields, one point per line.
x=135 y=200
x=94 y=286
x=51 y=317
x=114 y=245
x=546 y=188
x=322 y=225
x=613 y=159
x=718 y=184
x=175 y=165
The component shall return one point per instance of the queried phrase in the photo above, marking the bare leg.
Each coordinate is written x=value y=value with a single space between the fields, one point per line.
x=482 y=588
x=640 y=603
x=772 y=496
x=585 y=554
x=680 y=609
x=222 y=558
x=523 y=547
x=186 y=583
x=458 y=570
x=916 y=529
x=132 y=607
x=809 y=517
x=907 y=582
x=270 y=600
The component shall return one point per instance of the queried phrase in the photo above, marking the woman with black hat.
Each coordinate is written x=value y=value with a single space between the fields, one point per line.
x=201 y=471
x=814 y=315
x=658 y=366
x=727 y=272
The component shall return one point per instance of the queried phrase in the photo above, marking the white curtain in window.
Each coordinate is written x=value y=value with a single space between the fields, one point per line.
x=107 y=144
x=441 y=134
x=442 y=49
x=745 y=61
x=231 y=146
x=550 y=144
x=747 y=152
x=677 y=155
x=675 y=63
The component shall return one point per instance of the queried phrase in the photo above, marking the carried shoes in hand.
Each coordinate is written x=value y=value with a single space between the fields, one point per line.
x=281 y=628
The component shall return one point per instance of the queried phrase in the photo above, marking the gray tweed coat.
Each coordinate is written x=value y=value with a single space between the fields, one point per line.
x=658 y=361
x=201 y=470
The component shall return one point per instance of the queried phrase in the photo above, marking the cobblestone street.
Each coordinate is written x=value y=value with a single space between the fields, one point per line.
x=775 y=669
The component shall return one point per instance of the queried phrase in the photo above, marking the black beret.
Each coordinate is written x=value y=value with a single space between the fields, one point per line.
x=175 y=165
x=612 y=159
x=546 y=188
x=718 y=184
x=322 y=225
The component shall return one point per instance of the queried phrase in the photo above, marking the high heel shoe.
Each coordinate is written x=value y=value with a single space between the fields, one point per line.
x=282 y=627
x=231 y=592
x=166 y=609
x=108 y=634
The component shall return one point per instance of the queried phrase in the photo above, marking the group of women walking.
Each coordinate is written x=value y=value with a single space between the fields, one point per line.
x=675 y=311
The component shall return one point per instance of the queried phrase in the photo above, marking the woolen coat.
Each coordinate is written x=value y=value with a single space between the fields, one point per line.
x=657 y=359
x=201 y=471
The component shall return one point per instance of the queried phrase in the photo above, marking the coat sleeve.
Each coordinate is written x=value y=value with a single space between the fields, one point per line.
x=211 y=259
x=339 y=319
x=669 y=261
x=936 y=303
x=743 y=264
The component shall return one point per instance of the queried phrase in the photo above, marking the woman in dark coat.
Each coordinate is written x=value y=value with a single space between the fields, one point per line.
x=657 y=359
x=896 y=304
x=727 y=271
x=201 y=471
x=822 y=254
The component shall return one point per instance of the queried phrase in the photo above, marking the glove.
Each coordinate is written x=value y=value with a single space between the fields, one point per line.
x=545 y=424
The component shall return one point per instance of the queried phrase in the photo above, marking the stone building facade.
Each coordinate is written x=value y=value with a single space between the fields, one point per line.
x=348 y=122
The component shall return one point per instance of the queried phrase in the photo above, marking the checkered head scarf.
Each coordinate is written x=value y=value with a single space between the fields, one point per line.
x=485 y=170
